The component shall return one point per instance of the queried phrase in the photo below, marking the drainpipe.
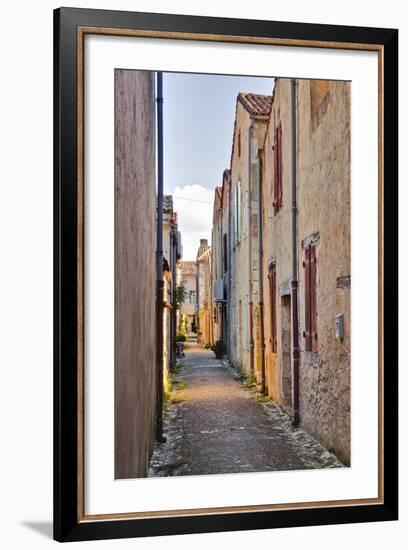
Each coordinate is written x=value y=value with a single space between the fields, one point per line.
x=294 y=285
x=229 y=275
x=159 y=266
x=249 y=211
x=260 y=276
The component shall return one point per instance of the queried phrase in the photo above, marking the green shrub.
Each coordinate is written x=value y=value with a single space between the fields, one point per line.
x=180 y=338
x=219 y=349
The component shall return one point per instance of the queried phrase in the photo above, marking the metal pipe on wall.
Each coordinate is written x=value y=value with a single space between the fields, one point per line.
x=159 y=265
x=294 y=283
x=260 y=276
x=249 y=213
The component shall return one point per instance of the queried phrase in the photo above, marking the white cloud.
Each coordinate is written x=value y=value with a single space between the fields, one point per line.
x=194 y=205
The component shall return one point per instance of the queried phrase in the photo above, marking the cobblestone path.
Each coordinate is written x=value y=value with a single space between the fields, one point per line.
x=215 y=425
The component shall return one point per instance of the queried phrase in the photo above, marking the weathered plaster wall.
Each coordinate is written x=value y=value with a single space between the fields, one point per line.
x=239 y=282
x=323 y=188
x=277 y=243
x=324 y=208
x=245 y=251
x=135 y=276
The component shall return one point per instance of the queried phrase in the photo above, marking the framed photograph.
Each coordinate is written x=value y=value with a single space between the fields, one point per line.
x=225 y=244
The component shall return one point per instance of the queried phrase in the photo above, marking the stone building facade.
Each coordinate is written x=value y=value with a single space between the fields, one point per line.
x=323 y=151
x=251 y=119
x=227 y=332
x=188 y=274
x=217 y=267
x=301 y=252
x=322 y=147
x=204 y=294
x=277 y=246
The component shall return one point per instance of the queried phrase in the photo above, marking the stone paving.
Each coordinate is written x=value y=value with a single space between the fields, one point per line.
x=214 y=425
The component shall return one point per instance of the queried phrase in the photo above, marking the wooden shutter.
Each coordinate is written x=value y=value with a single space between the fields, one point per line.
x=310 y=332
x=272 y=297
x=275 y=173
x=313 y=308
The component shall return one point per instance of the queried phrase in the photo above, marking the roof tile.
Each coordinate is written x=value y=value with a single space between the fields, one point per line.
x=257 y=105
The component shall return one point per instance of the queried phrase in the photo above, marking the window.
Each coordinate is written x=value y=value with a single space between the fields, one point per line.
x=239 y=144
x=310 y=333
x=277 y=172
x=272 y=301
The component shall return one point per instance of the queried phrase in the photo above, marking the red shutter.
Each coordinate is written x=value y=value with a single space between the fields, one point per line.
x=272 y=295
x=313 y=308
x=275 y=174
x=310 y=332
x=307 y=331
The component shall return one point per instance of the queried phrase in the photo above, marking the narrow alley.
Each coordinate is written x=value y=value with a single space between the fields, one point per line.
x=245 y=261
x=215 y=424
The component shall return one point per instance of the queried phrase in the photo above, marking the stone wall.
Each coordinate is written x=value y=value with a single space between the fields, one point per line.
x=323 y=206
x=277 y=246
x=324 y=210
x=135 y=275
x=244 y=245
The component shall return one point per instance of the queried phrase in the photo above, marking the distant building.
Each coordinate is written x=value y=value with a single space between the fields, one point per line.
x=188 y=274
x=217 y=268
x=226 y=247
x=204 y=294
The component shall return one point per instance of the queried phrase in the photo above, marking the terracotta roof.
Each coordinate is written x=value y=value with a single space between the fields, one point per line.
x=258 y=106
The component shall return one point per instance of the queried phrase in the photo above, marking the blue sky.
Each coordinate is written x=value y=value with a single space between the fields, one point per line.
x=199 y=112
